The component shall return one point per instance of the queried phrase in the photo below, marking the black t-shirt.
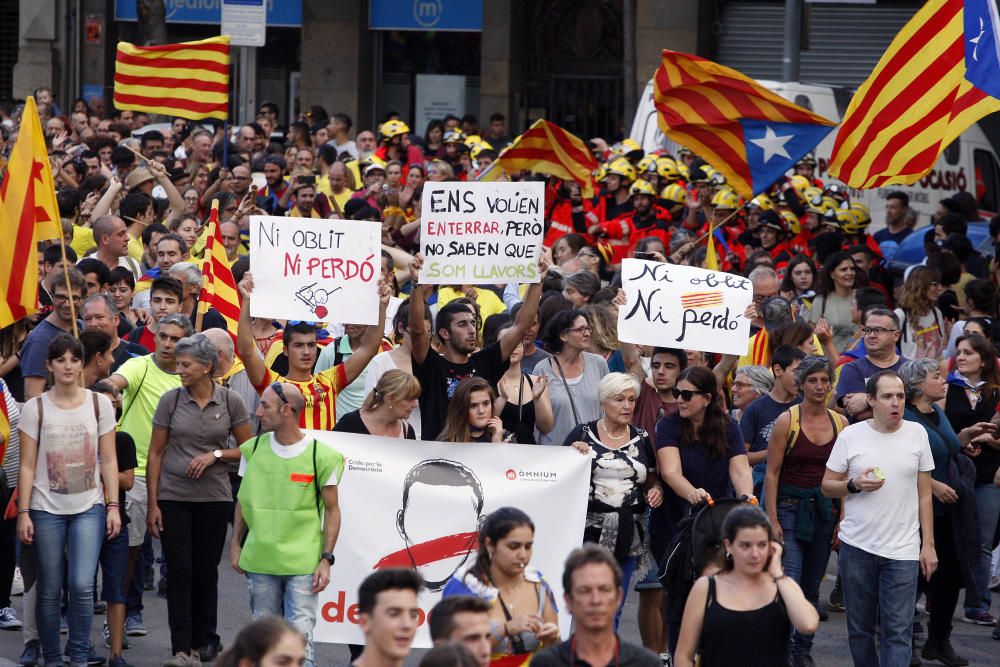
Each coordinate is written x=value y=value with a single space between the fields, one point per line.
x=439 y=377
x=125 y=450
x=124 y=326
x=353 y=423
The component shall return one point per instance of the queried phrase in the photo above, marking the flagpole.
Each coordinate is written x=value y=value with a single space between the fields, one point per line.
x=712 y=227
x=69 y=290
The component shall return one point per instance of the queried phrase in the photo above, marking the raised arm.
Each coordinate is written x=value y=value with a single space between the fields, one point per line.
x=256 y=370
x=420 y=340
x=360 y=359
x=107 y=200
x=163 y=179
x=514 y=336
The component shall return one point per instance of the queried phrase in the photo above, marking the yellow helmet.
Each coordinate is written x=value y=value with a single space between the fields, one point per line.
x=472 y=140
x=477 y=147
x=862 y=213
x=646 y=164
x=763 y=202
x=821 y=205
x=621 y=167
x=726 y=199
x=666 y=167
x=717 y=179
x=393 y=128
x=793 y=221
x=800 y=183
x=812 y=192
x=674 y=193
x=600 y=173
x=685 y=171
x=453 y=136
x=629 y=148
x=642 y=187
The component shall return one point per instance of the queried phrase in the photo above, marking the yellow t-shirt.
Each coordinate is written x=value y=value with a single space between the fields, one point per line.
x=83 y=241
x=488 y=302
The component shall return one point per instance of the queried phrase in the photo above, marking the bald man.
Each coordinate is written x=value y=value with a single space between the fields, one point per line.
x=288 y=551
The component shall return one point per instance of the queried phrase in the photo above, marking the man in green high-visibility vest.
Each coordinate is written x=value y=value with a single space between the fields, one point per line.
x=287 y=514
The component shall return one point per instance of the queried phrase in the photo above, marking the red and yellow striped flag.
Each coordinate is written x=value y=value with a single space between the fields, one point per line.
x=546 y=148
x=218 y=287
x=28 y=214
x=190 y=79
x=939 y=75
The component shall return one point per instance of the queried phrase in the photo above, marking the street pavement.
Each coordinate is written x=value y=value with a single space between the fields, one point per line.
x=830 y=650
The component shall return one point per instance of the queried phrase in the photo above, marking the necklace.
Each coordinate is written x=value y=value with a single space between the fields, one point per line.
x=610 y=434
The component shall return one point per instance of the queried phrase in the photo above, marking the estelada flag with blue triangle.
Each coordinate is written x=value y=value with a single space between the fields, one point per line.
x=750 y=134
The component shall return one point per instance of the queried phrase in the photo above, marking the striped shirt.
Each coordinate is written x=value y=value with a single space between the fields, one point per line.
x=320 y=392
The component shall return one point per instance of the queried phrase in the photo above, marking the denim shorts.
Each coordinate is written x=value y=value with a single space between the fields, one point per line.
x=114 y=567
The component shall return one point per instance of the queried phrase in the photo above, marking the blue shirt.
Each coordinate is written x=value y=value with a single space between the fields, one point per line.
x=35 y=349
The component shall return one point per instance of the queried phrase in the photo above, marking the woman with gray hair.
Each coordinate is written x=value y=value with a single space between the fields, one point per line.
x=580 y=287
x=956 y=570
x=190 y=497
x=622 y=477
x=749 y=384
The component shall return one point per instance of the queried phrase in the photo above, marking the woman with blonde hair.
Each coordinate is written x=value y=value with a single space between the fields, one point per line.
x=439 y=170
x=470 y=414
x=386 y=408
x=921 y=323
x=604 y=336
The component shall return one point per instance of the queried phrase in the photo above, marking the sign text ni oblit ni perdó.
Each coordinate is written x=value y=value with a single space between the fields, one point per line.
x=315 y=270
x=684 y=307
x=481 y=233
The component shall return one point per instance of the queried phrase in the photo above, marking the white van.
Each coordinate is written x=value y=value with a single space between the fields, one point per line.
x=970 y=163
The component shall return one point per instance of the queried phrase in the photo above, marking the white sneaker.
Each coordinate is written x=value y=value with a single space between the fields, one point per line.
x=8 y=619
x=17 y=586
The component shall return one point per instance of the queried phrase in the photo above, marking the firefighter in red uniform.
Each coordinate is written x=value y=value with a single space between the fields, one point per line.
x=807 y=167
x=774 y=238
x=728 y=228
x=567 y=212
x=646 y=219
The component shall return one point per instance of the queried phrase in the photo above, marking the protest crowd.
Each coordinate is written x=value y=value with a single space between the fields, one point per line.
x=861 y=419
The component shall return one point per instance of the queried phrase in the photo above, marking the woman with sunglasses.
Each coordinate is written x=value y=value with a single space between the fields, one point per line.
x=622 y=477
x=573 y=375
x=920 y=321
x=700 y=455
x=190 y=496
x=387 y=408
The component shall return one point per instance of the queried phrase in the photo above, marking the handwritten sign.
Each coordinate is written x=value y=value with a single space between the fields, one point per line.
x=684 y=307
x=315 y=270
x=481 y=233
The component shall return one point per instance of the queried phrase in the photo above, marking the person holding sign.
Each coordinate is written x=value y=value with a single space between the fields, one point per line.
x=320 y=389
x=699 y=453
x=440 y=373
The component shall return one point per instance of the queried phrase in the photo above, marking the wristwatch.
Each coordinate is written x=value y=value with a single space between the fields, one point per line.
x=217 y=453
x=328 y=557
x=851 y=487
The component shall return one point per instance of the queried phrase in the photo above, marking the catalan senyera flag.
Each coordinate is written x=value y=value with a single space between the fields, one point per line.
x=218 y=287
x=28 y=214
x=546 y=148
x=190 y=79
x=940 y=74
x=751 y=135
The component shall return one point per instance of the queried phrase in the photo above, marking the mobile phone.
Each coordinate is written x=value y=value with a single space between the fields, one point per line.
x=307 y=180
x=643 y=255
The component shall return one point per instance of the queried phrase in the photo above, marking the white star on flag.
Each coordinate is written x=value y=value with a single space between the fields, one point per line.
x=772 y=144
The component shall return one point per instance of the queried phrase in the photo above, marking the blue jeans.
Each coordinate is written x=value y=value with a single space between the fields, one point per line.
x=805 y=562
x=878 y=591
x=290 y=597
x=74 y=540
x=988 y=500
x=628 y=569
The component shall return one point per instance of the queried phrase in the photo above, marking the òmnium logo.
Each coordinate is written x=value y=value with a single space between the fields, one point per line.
x=364 y=466
x=531 y=475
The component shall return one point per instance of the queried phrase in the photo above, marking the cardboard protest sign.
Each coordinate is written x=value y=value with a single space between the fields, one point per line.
x=684 y=307
x=420 y=504
x=481 y=233
x=315 y=270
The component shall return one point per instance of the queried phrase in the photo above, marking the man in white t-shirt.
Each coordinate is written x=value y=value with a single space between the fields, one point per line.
x=881 y=468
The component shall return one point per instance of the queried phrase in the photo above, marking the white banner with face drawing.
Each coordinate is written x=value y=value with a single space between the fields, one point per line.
x=419 y=504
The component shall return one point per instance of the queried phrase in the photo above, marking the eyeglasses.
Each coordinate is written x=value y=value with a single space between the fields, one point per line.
x=584 y=329
x=878 y=331
x=293 y=323
x=62 y=298
x=685 y=394
x=761 y=298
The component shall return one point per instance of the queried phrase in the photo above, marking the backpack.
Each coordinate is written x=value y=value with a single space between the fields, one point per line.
x=795 y=425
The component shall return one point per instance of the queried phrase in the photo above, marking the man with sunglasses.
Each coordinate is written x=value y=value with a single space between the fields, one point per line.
x=299 y=338
x=281 y=541
x=880 y=329
x=66 y=302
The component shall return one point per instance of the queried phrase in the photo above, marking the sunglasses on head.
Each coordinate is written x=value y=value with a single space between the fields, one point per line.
x=276 y=388
x=685 y=394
